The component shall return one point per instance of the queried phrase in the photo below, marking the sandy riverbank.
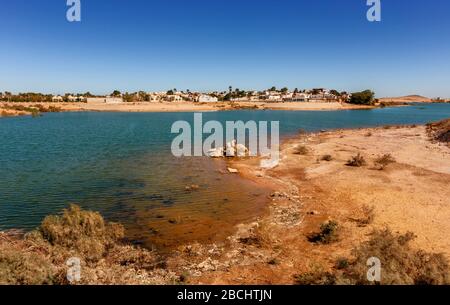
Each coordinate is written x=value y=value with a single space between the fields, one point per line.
x=192 y=107
x=409 y=195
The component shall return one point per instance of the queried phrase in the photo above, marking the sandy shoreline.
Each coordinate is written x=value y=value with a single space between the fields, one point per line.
x=187 y=106
x=410 y=195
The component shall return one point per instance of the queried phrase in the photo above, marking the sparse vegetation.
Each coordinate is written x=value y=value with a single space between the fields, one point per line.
x=327 y=158
x=369 y=215
x=401 y=264
x=440 y=131
x=342 y=263
x=34 y=110
x=383 y=161
x=40 y=256
x=328 y=233
x=315 y=277
x=356 y=161
x=84 y=232
x=301 y=150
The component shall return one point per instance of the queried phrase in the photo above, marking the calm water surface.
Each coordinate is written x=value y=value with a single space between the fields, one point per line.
x=120 y=165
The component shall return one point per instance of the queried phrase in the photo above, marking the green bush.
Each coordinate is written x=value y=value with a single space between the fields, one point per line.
x=363 y=98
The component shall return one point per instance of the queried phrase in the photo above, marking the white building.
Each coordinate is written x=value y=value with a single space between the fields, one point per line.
x=72 y=98
x=299 y=97
x=274 y=98
x=106 y=100
x=57 y=98
x=204 y=98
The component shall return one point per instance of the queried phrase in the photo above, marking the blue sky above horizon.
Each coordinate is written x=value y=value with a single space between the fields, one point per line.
x=209 y=45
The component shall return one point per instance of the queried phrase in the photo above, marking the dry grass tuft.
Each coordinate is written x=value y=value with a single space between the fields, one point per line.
x=301 y=150
x=383 y=161
x=440 y=131
x=369 y=216
x=327 y=158
x=328 y=233
x=357 y=161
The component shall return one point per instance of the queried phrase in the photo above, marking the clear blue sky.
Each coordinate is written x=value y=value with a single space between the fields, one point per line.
x=211 y=44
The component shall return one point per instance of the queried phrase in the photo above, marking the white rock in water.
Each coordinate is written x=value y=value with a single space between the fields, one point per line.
x=232 y=170
x=231 y=149
x=216 y=152
x=242 y=151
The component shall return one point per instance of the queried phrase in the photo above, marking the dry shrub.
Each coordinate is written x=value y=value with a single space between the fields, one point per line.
x=83 y=232
x=328 y=233
x=40 y=256
x=301 y=150
x=357 y=161
x=136 y=258
x=440 y=131
x=342 y=263
x=315 y=278
x=19 y=267
x=399 y=262
x=369 y=215
x=383 y=161
x=327 y=158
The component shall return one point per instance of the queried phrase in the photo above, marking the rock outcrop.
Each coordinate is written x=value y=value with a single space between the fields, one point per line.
x=232 y=149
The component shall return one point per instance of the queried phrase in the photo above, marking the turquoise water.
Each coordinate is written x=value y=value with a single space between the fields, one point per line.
x=120 y=164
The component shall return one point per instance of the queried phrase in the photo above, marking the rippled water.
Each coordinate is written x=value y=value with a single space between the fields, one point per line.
x=120 y=164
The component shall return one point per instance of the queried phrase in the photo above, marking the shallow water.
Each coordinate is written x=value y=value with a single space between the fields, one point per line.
x=120 y=165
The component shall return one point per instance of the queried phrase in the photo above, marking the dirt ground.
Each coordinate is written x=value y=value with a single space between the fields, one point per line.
x=411 y=194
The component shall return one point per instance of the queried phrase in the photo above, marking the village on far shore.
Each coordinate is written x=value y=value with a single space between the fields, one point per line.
x=273 y=94
x=232 y=95
x=173 y=100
